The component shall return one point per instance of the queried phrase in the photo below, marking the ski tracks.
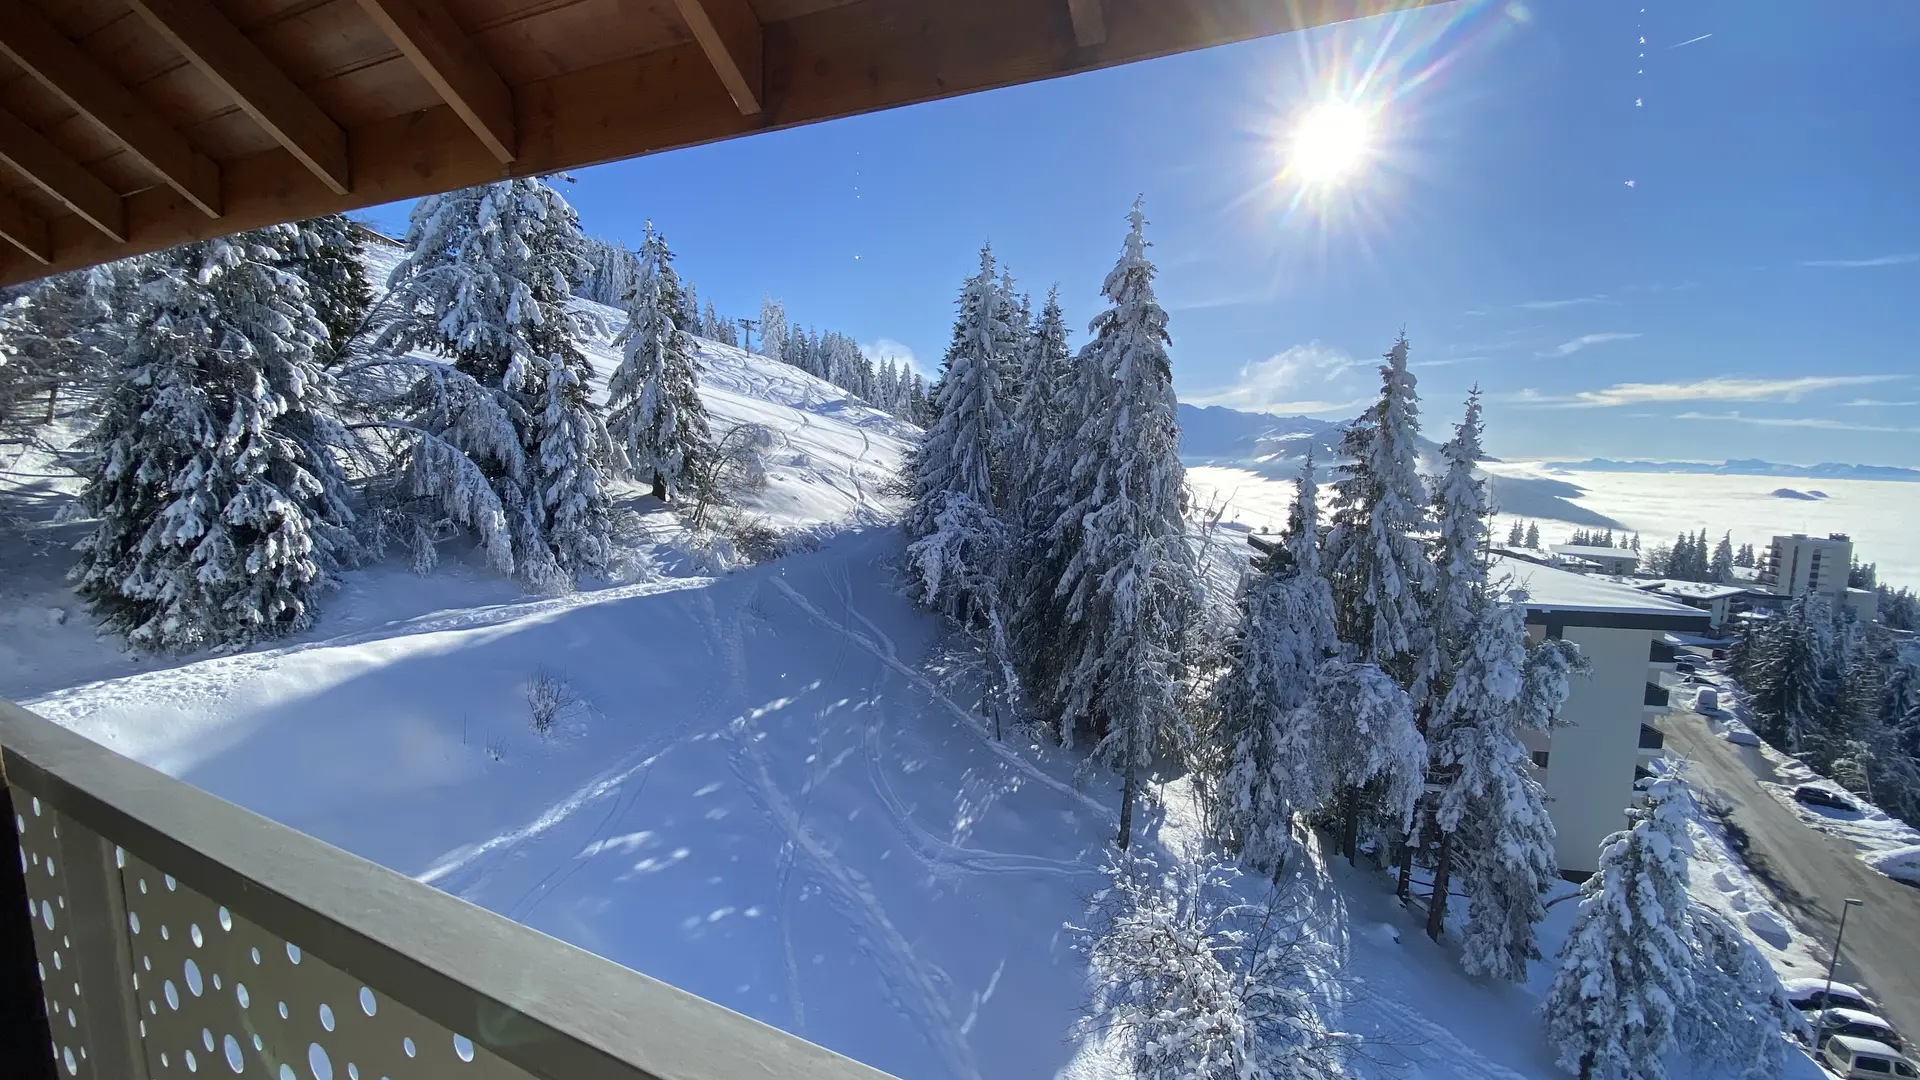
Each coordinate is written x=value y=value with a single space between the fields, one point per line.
x=926 y=686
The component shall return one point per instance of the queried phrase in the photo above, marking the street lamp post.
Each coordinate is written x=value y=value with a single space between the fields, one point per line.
x=1827 y=995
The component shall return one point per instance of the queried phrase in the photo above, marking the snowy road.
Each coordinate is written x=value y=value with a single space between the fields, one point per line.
x=1809 y=873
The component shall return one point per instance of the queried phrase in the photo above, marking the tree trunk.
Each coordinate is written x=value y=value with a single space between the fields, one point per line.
x=1442 y=873
x=1350 y=826
x=1126 y=797
x=659 y=487
x=53 y=393
x=1404 y=858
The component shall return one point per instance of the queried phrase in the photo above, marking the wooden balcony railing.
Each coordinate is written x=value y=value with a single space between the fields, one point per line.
x=168 y=933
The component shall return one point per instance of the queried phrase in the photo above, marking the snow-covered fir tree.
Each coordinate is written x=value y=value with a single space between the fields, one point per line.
x=1373 y=755
x=773 y=328
x=1721 y=569
x=1626 y=968
x=1038 y=442
x=961 y=453
x=1738 y=1016
x=1517 y=535
x=1192 y=982
x=1788 y=675
x=486 y=280
x=222 y=507
x=1128 y=582
x=1046 y=429
x=1273 y=748
x=654 y=413
x=326 y=255
x=64 y=331
x=1381 y=576
x=1497 y=837
x=1533 y=536
x=609 y=272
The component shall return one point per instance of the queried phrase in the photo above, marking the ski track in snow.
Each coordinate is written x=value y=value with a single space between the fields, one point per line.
x=914 y=989
x=1429 y=1048
x=933 y=692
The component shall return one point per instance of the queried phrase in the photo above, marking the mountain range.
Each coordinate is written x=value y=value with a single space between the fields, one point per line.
x=1826 y=470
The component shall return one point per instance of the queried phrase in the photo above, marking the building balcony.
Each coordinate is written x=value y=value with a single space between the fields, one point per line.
x=172 y=933
x=1662 y=656
x=1652 y=740
x=1657 y=698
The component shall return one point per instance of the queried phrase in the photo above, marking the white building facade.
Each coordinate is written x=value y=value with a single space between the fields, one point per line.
x=1589 y=761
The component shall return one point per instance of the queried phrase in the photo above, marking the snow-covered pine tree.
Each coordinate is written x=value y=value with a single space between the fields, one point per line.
x=1533 y=536
x=326 y=255
x=654 y=412
x=1042 y=481
x=1722 y=566
x=222 y=508
x=1194 y=983
x=1738 y=1015
x=1128 y=581
x=1517 y=536
x=1787 y=678
x=961 y=454
x=1362 y=722
x=63 y=332
x=1273 y=749
x=1498 y=839
x=1626 y=967
x=486 y=280
x=1381 y=576
x=773 y=328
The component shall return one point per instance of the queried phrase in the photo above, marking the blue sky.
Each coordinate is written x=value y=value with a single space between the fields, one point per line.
x=1742 y=297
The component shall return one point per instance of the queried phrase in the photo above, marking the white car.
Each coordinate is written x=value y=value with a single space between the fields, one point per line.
x=1857 y=1023
x=1812 y=995
x=1851 y=1058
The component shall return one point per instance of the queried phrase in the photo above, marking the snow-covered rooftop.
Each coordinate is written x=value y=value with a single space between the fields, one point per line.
x=1583 y=551
x=1551 y=589
x=1689 y=590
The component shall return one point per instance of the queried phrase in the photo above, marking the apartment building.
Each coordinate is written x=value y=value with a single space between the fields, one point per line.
x=1799 y=564
x=1589 y=764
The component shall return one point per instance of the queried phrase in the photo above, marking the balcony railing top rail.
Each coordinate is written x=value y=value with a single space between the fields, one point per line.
x=173 y=928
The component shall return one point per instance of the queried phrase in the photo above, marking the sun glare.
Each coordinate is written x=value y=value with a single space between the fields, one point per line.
x=1330 y=144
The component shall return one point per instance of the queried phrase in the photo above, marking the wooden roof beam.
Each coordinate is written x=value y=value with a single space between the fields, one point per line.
x=731 y=37
x=1089 y=22
x=451 y=63
x=256 y=84
x=30 y=41
x=61 y=177
x=26 y=232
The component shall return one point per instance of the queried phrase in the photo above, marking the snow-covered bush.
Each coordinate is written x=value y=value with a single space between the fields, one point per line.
x=1194 y=982
x=1739 y=1014
x=736 y=465
x=548 y=697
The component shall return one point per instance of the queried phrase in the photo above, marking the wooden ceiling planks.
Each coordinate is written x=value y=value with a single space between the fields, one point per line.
x=498 y=88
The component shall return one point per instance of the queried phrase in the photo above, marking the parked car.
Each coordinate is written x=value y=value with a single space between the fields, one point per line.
x=1831 y=1023
x=1708 y=700
x=1850 y=1058
x=1815 y=795
x=1813 y=995
x=1740 y=736
x=1719 y=654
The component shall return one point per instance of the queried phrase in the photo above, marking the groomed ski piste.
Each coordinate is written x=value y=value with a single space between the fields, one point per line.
x=773 y=788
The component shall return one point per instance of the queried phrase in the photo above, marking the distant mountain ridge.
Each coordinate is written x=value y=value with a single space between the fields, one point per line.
x=1826 y=470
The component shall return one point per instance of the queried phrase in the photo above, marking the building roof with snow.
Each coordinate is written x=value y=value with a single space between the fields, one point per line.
x=1594 y=554
x=1702 y=591
x=1562 y=598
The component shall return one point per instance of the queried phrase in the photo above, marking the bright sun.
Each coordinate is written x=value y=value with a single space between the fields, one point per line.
x=1330 y=144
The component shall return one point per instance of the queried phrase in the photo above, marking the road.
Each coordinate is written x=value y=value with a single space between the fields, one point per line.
x=1809 y=873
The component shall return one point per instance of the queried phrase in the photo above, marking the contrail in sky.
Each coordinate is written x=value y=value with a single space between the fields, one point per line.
x=1691 y=40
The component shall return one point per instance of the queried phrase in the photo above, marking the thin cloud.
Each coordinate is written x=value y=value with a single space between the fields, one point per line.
x=1900 y=259
x=1689 y=41
x=899 y=353
x=1575 y=301
x=1568 y=348
x=1723 y=388
x=1878 y=403
x=1310 y=378
x=1819 y=422
x=1446 y=361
